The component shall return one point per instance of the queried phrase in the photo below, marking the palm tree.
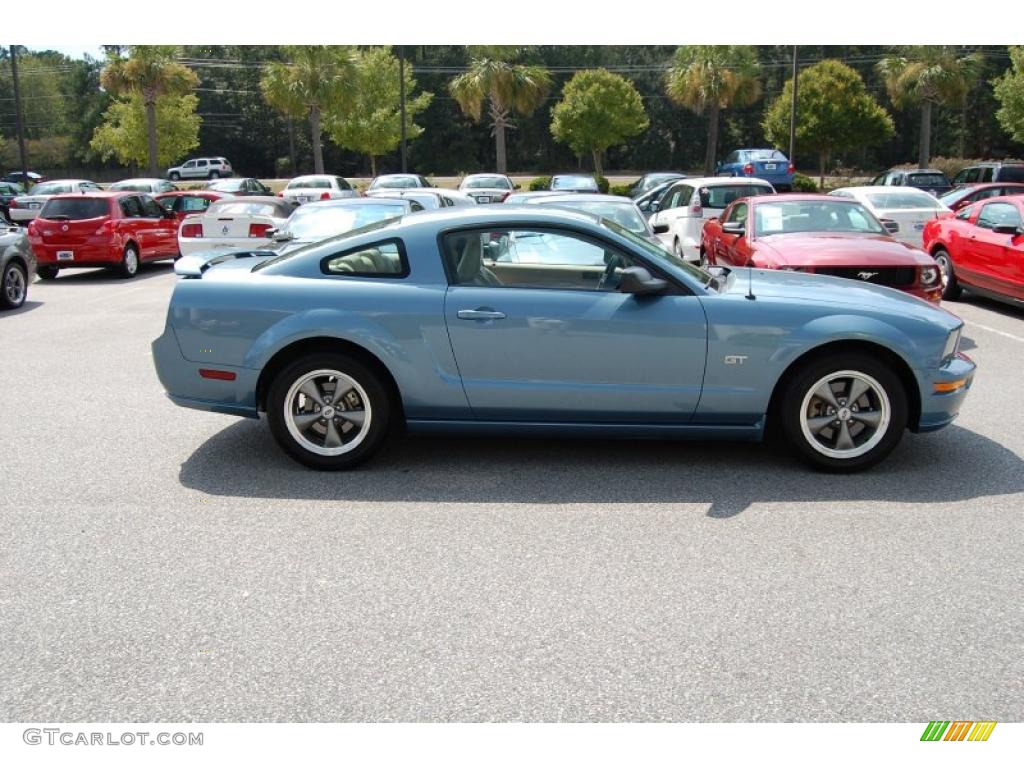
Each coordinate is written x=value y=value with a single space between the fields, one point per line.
x=506 y=88
x=927 y=75
x=712 y=78
x=151 y=72
x=315 y=79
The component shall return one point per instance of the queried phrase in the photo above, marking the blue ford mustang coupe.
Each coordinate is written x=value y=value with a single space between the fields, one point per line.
x=532 y=320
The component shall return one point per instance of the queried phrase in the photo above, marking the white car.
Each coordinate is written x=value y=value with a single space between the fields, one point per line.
x=149 y=186
x=688 y=203
x=234 y=222
x=431 y=198
x=201 y=168
x=902 y=210
x=487 y=187
x=26 y=207
x=306 y=189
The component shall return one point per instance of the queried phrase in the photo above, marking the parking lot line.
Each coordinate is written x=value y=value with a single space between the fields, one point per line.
x=993 y=330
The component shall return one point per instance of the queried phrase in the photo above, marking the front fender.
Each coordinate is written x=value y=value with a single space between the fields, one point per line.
x=824 y=330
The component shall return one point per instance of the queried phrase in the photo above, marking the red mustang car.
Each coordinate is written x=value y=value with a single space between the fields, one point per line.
x=981 y=248
x=822 y=234
x=102 y=229
x=964 y=196
x=183 y=204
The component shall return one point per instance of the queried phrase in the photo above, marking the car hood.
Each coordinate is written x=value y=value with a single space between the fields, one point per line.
x=838 y=250
x=831 y=291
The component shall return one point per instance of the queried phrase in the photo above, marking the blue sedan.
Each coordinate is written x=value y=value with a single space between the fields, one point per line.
x=534 y=320
x=771 y=165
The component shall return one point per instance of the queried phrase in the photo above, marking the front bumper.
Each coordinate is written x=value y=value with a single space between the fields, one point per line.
x=23 y=214
x=939 y=409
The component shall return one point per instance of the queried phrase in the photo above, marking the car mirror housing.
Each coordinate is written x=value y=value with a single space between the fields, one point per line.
x=640 y=282
x=660 y=229
x=734 y=228
x=891 y=226
x=1007 y=229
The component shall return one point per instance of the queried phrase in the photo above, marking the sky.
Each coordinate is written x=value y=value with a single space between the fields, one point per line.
x=76 y=51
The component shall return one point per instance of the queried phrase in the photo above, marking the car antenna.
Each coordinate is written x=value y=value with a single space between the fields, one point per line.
x=750 y=282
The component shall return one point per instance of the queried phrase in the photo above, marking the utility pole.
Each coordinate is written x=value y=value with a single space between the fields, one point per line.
x=792 y=115
x=17 y=117
x=401 y=102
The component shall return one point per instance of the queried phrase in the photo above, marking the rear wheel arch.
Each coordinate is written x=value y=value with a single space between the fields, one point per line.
x=899 y=366
x=319 y=344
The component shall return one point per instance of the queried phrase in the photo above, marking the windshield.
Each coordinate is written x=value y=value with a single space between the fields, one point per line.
x=813 y=216
x=317 y=223
x=487 y=182
x=764 y=154
x=309 y=182
x=952 y=198
x=574 y=182
x=51 y=188
x=623 y=214
x=657 y=253
x=890 y=201
x=927 y=180
x=394 y=182
x=226 y=186
x=75 y=208
x=132 y=186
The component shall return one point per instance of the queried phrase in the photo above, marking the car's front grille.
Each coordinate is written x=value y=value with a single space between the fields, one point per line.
x=896 y=277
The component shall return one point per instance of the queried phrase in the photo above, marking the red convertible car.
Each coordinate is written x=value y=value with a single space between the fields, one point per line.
x=820 y=234
x=981 y=249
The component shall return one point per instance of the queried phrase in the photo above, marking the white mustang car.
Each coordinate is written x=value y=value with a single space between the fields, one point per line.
x=234 y=222
x=306 y=189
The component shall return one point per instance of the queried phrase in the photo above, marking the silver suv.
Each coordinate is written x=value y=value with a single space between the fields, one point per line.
x=201 y=168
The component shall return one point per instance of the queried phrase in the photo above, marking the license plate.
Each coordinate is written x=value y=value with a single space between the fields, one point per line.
x=65 y=255
x=303 y=198
x=34 y=206
x=483 y=199
x=919 y=227
x=769 y=166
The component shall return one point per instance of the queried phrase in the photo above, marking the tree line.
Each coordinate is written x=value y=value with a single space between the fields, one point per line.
x=282 y=110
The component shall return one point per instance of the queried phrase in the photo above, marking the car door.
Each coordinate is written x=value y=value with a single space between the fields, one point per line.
x=133 y=225
x=164 y=229
x=984 y=246
x=733 y=249
x=673 y=211
x=999 y=253
x=541 y=333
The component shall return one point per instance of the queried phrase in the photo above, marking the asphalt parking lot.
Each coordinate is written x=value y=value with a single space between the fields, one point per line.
x=158 y=564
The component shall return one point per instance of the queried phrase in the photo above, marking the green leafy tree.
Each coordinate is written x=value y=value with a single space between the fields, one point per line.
x=598 y=110
x=505 y=87
x=373 y=123
x=710 y=78
x=1009 y=91
x=928 y=75
x=44 y=106
x=314 y=81
x=834 y=113
x=149 y=74
x=124 y=133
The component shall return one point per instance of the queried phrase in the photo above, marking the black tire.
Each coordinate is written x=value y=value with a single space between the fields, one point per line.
x=214 y=175
x=13 y=285
x=47 y=273
x=380 y=411
x=129 y=266
x=951 y=290
x=175 y=176
x=814 y=451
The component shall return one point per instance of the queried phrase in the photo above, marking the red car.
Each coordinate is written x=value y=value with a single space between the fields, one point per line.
x=964 y=196
x=102 y=229
x=183 y=204
x=822 y=234
x=981 y=248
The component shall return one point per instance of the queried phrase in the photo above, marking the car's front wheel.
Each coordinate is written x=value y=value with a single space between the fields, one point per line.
x=844 y=412
x=13 y=286
x=328 y=411
x=951 y=289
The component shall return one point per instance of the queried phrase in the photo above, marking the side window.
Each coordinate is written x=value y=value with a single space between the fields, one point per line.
x=152 y=208
x=414 y=206
x=131 y=207
x=965 y=212
x=189 y=164
x=342 y=184
x=737 y=214
x=201 y=163
x=384 y=259
x=986 y=173
x=193 y=204
x=734 y=157
x=532 y=258
x=999 y=215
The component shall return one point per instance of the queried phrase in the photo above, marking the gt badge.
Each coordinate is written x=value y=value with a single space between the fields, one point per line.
x=735 y=359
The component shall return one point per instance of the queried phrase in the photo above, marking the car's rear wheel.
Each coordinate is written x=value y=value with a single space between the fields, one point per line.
x=214 y=175
x=951 y=289
x=129 y=262
x=175 y=176
x=844 y=412
x=13 y=286
x=47 y=273
x=328 y=411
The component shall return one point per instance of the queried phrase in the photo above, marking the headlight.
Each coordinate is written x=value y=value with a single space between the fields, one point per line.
x=952 y=344
x=929 y=275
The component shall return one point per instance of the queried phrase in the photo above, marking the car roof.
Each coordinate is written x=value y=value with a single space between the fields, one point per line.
x=801 y=197
x=353 y=202
x=187 y=192
x=141 y=179
x=585 y=197
x=486 y=173
x=875 y=189
x=712 y=181
x=255 y=199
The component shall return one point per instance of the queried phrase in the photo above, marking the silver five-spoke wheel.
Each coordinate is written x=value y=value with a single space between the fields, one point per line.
x=327 y=412
x=845 y=414
x=14 y=285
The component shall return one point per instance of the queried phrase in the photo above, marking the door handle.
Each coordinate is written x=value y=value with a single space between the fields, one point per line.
x=480 y=314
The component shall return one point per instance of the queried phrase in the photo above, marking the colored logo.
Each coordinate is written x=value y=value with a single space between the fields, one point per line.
x=958 y=730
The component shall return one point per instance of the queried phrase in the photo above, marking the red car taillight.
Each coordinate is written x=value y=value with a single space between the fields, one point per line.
x=192 y=230
x=325 y=195
x=105 y=228
x=695 y=207
x=32 y=228
x=280 y=194
x=258 y=230
x=791 y=169
x=14 y=203
x=748 y=169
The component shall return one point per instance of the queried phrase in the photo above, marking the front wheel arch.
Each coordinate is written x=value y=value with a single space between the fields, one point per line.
x=284 y=356
x=897 y=363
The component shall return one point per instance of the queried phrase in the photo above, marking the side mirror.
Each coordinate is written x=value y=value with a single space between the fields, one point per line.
x=891 y=226
x=638 y=281
x=661 y=229
x=734 y=228
x=1007 y=229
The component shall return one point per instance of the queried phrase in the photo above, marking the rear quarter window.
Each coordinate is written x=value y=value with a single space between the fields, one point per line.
x=1011 y=173
x=386 y=258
